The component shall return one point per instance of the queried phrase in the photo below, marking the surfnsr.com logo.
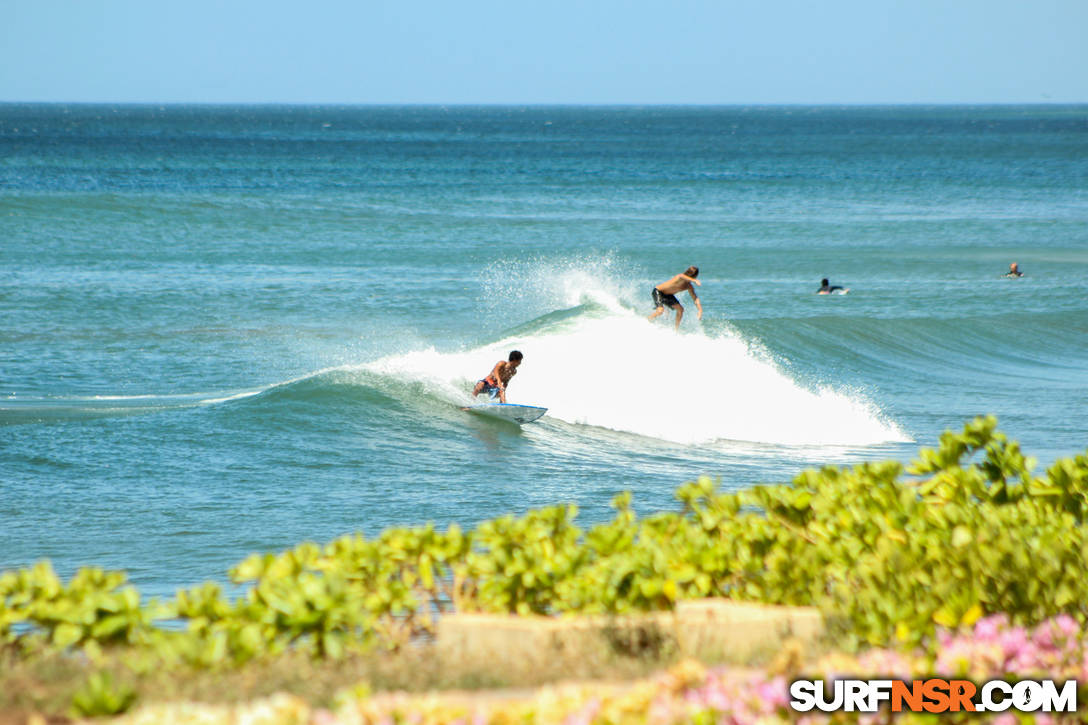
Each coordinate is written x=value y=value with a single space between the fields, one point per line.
x=933 y=695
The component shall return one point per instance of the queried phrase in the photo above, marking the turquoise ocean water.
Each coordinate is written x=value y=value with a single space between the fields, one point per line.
x=229 y=329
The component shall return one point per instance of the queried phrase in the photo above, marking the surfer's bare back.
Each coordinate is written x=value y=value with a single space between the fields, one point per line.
x=496 y=382
x=664 y=294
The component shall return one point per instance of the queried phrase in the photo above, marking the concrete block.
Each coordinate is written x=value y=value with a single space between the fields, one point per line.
x=740 y=632
x=476 y=638
x=716 y=630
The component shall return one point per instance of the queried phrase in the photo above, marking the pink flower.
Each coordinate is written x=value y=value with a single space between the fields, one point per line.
x=716 y=699
x=586 y=714
x=323 y=717
x=1043 y=636
x=773 y=693
x=987 y=627
x=1067 y=625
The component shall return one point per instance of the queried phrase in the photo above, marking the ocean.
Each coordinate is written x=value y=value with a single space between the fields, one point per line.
x=227 y=329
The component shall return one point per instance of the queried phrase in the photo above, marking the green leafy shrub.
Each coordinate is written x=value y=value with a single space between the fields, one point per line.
x=94 y=609
x=893 y=559
x=887 y=553
x=102 y=695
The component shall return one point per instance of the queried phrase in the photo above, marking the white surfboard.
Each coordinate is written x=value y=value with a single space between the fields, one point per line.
x=512 y=412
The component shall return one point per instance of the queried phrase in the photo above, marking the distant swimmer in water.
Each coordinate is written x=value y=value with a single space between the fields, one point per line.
x=664 y=294
x=826 y=288
x=1014 y=271
x=495 y=383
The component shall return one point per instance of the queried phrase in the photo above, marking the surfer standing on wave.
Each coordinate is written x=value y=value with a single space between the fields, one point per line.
x=495 y=383
x=664 y=294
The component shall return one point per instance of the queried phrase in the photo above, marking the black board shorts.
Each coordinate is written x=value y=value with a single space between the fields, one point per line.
x=663 y=300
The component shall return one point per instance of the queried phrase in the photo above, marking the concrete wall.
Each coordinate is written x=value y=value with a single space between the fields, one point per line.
x=712 y=630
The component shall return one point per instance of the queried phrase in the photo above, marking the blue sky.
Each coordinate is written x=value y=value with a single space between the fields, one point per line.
x=559 y=51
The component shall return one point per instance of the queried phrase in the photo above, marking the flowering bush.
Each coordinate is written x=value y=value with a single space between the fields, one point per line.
x=1054 y=649
x=691 y=693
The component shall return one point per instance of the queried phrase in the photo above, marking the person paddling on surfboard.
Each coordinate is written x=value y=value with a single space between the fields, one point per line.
x=664 y=294
x=495 y=383
x=826 y=288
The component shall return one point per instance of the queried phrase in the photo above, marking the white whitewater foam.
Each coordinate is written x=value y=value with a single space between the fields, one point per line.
x=626 y=374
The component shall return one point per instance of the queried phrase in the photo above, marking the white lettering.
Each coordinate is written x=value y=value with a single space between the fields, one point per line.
x=854 y=695
x=879 y=691
x=993 y=696
x=989 y=704
x=836 y=700
x=1027 y=696
x=1055 y=701
x=803 y=693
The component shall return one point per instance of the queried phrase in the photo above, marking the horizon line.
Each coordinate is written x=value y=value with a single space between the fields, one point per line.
x=562 y=104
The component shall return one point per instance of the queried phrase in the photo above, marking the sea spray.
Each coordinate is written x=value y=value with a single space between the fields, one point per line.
x=531 y=288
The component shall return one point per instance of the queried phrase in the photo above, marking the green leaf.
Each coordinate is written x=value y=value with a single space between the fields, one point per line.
x=67 y=634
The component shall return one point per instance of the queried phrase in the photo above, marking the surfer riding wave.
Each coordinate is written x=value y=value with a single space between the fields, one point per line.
x=664 y=294
x=496 y=382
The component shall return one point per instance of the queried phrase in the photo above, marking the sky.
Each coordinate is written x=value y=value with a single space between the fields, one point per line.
x=558 y=51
